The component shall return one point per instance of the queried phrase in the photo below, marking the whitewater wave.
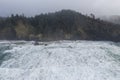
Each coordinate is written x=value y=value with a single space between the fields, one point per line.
x=62 y=60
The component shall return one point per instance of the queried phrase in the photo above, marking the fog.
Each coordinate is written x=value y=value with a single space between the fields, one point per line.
x=33 y=7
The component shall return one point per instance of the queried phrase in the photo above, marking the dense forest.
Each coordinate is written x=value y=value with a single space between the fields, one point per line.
x=61 y=25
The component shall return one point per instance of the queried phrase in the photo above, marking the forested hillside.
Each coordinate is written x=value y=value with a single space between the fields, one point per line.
x=61 y=25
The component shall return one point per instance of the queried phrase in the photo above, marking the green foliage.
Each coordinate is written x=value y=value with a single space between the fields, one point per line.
x=64 y=24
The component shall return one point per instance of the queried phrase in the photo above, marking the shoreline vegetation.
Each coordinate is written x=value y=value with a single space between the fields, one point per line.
x=61 y=25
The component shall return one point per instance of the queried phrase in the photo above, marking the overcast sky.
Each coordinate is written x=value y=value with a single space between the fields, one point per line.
x=33 y=7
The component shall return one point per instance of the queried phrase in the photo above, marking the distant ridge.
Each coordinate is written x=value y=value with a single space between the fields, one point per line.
x=61 y=25
x=113 y=19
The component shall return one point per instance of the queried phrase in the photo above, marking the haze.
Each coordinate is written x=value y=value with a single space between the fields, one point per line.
x=33 y=7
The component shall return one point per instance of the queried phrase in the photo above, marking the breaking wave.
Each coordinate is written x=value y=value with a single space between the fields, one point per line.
x=60 y=60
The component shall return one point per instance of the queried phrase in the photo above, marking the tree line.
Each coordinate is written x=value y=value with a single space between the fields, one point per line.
x=61 y=25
